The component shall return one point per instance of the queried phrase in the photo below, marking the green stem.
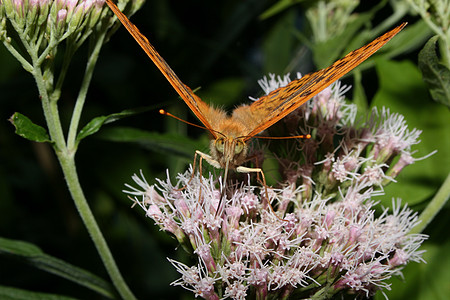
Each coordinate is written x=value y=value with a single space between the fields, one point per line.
x=50 y=109
x=434 y=206
x=437 y=28
x=93 y=57
x=444 y=46
x=391 y=20
x=68 y=166
x=69 y=169
x=62 y=75
x=322 y=31
x=25 y=64
x=66 y=152
x=325 y=292
x=66 y=157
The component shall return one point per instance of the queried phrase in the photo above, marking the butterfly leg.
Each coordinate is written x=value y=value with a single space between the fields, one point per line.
x=209 y=159
x=254 y=158
x=239 y=169
x=258 y=171
x=193 y=173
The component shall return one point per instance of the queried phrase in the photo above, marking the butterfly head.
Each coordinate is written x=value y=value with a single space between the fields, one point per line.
x=229 y=151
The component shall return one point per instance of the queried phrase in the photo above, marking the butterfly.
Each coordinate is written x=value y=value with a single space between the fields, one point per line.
x=230 y=133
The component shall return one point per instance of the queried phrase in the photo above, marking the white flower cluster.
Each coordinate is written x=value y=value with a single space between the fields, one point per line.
x=323 y=237
x=249 y=251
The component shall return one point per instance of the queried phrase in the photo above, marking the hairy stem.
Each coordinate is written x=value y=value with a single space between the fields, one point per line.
x=66 y=157
x=92 y=60
x=68 y=166
x=434 y=206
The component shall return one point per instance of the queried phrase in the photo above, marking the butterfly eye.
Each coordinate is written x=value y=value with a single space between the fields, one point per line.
x=239 y=147
x=220 y=144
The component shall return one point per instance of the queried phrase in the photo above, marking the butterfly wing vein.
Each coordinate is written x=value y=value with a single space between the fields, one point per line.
x=282 y=101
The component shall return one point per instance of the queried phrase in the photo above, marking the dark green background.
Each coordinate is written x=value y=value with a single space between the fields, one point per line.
x=223 y=48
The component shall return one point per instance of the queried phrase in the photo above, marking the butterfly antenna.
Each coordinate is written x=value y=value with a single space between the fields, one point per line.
x=165 y=113
x=302 y=136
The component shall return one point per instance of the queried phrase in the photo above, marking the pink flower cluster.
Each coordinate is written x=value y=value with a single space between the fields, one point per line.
x=323 y=237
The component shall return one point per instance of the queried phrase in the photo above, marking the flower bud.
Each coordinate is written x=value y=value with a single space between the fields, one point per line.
x=19 y=13
x=405 y=160
x=61 y=18
x=44 y=8
x=77 y=17
x=70 y=6
x=8 y=7
x=2 y=13
x=88 y=5
x=96 y=12
x=33 y=7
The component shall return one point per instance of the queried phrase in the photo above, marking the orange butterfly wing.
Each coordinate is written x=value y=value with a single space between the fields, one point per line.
x=198 y=107
x=269 y=109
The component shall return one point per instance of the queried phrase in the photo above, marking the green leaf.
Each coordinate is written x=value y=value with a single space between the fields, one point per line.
x=95 y=124
x=27 y=129
x=164 y=143
x=403 y=91
x=34 y=256
x=10 y=293
x=435 y=74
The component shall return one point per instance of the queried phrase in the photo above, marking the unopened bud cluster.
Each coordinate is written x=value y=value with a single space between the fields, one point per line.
x=44 y=22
